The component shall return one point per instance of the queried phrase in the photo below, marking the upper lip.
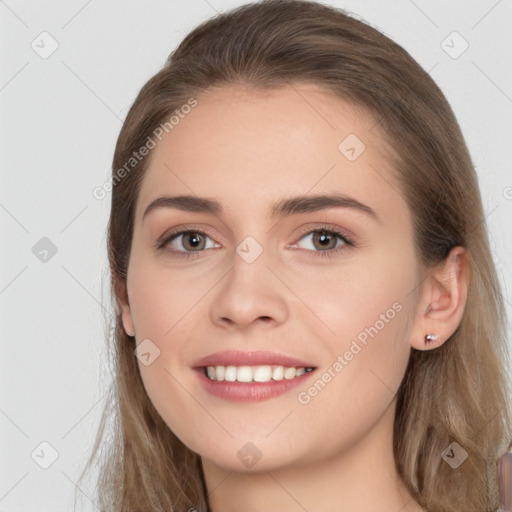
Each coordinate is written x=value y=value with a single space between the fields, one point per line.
x=258 y=358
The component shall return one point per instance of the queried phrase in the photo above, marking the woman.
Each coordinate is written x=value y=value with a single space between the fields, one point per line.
x=307 y=312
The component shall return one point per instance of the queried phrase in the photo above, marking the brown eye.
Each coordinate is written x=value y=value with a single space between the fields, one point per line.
x=193 y=241
x=324 y=240
x=189 y=241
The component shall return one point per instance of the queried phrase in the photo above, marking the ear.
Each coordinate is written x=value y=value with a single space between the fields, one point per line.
x=124 y=306
x=442 y=300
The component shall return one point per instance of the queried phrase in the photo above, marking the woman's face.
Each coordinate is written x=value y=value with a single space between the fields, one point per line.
x=274 y=266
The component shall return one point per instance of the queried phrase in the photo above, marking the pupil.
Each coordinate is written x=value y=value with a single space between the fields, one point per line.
x=194 y=240
x=324 y=238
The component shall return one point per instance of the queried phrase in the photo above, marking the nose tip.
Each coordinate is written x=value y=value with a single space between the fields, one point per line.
x=249 y=295
x=264 y=319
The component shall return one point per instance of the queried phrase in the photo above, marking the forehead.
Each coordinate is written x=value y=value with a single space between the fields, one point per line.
x=249 y=148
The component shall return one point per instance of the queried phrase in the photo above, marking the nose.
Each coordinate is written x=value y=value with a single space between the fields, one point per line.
x=249 y=294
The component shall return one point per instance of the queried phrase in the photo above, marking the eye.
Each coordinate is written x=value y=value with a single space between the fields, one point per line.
x=324 y=241
x=188 y=241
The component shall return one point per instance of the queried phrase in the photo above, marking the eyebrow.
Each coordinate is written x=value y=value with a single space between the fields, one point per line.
x=284 y=207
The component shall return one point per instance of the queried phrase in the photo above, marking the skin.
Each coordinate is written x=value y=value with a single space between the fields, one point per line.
x=249 y=149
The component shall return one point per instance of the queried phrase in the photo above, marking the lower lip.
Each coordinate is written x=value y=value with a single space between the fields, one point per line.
x=249 y=391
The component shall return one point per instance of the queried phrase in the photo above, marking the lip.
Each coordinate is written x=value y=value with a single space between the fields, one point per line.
x=249 y=391
x=257 y=358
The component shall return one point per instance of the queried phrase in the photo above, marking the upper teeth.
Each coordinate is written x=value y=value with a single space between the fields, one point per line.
x=254 y=373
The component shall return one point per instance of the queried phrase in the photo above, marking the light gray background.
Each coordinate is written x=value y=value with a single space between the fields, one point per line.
x=60 y=118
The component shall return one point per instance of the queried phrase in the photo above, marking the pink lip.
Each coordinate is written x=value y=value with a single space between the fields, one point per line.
x=238 y=358
x=249 y=391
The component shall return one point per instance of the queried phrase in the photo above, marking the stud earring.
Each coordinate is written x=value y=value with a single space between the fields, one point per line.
x=429 y=338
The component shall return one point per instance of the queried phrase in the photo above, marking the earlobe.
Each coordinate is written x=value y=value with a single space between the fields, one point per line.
x=127 y=320
x=442 y=301
x=124 y=306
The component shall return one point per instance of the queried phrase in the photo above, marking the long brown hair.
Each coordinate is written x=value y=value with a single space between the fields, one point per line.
x=457 y=393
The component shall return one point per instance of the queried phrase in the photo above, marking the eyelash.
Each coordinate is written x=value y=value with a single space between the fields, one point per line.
x=329 y=253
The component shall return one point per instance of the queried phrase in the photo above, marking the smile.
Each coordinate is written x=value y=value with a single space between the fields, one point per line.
x=264 y=373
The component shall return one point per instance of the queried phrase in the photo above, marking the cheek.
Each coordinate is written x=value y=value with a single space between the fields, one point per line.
x=362 y=292
x=162 y=310
x=363 y=318
x=369 y=355
x=159 y=301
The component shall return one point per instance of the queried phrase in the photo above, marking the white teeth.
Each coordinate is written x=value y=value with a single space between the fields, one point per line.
x=278 y=373
x=220 y=372
x=244 y=374
x=289 y=373
x=264 y=373
x=230 y=373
